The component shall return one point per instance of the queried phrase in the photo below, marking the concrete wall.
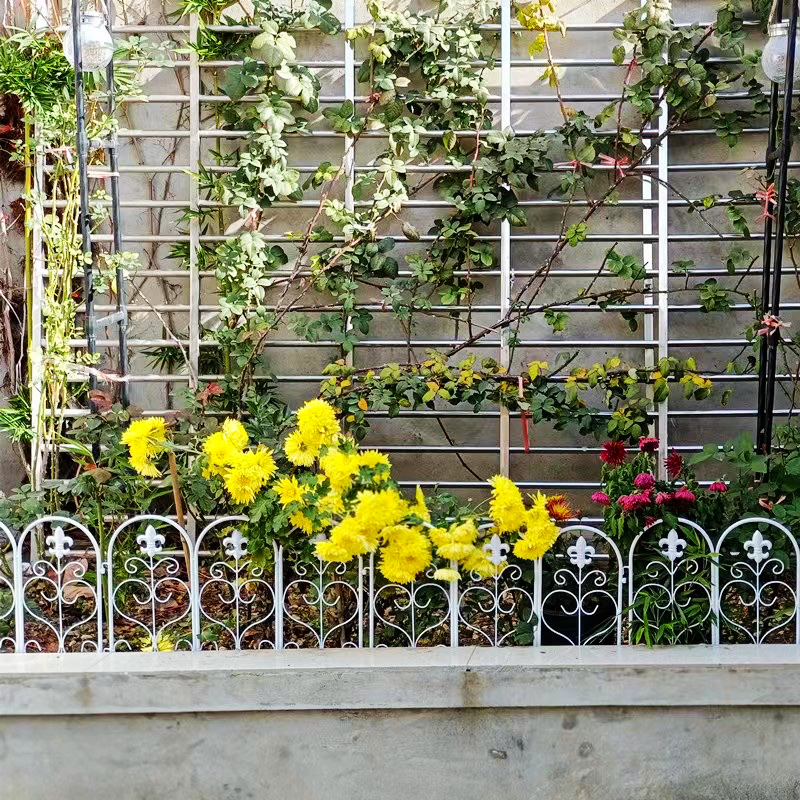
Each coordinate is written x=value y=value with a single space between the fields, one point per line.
x=517 y=724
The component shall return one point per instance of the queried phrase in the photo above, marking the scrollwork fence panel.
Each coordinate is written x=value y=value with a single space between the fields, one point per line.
x=235 y=601
x=58 y=591
x=322 y=603
x=673 y=585
x=149 y=593
x=582 y=600
x=759 y=582
x=159 y=588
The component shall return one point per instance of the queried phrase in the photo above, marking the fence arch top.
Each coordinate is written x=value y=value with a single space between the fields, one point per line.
x=761 y=572
x=54 y=593
x=672 y=582
x=152 y=605
x=583 y=604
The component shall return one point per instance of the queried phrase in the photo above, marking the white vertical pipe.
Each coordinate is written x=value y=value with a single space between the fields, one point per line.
x=38 y=272
x=194 y=204
x=663 y=275
x=278 y=596
x=194 y=223
x=349 y=161
x=505 y=226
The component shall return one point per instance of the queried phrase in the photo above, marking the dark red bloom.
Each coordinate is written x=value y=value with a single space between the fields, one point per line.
x=644 y=480
x=648 y=444
x=718 y=486
x=602 y=498
x=648 y=521
x=683 y=497
x=613 y=453
x=662 y=498
x=674 y=464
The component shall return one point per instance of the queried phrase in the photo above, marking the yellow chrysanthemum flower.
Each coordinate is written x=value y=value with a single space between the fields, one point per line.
x=385 y=507
x=289 y=490
x=223 y=446
x=457 y=542
x=332 y=551
x=407 y=552
x=331 y=503
x=299 y=450
x=455 y=551
x=507 y=509
x=340 y=468
x=349 y=535
x=539 y=536
x=317 y=423
x=234 y=432
x=448 y=575
x=479 y=563
x=245 y=477
x=266 y=462
x=141 y=461
x=371 y=459
x=146 y=439
x=420 y=508
x=302 y=522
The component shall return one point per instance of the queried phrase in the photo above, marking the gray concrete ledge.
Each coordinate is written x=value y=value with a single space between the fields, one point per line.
x=557 y=677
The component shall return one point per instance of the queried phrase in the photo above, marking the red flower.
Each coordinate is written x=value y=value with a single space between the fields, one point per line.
x=633 y=502
x=644 y=480
x=648 y=521
x=601 y=498
x=662 y=498
x=648 y=444
x=558 y=508
x=613 y=454
x=684 y=496
x=674 y=464
x=718 y=486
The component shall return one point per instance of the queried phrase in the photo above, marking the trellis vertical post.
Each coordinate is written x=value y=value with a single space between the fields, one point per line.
x=505 y=227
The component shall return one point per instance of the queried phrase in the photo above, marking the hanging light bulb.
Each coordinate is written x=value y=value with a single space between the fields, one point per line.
x=773 y=59
x=97 y=46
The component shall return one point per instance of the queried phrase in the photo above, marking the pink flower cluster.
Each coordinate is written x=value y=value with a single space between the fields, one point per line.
x=644 y=480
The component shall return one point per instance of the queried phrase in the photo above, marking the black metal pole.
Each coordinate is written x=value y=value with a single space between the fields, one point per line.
x=766 y=259
x=780 y=227
x=116 y=223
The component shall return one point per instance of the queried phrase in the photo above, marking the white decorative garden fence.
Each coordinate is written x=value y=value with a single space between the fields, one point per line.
x=151 y=587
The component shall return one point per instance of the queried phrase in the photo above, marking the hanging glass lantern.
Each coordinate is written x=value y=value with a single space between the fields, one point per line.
x=773 y=59
x=97 y=46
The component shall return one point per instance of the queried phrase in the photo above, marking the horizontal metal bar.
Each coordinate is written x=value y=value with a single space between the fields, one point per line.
x=481 y=343
x=519 y=237
x=631 y=203
x=379 y=308
x=222 y=133
x=561 y=272
x=731 y=166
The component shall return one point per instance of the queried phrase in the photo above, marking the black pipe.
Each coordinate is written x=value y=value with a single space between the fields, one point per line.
x=780 y=227
x=116 y=224
x=766 y=259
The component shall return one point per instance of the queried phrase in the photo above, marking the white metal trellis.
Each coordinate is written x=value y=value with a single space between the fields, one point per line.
x=655 y=238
